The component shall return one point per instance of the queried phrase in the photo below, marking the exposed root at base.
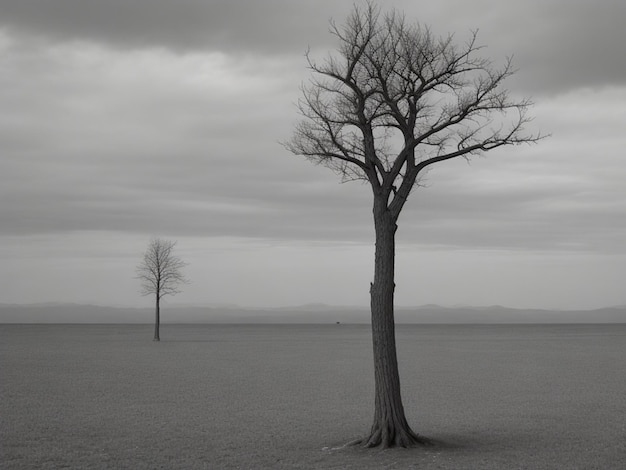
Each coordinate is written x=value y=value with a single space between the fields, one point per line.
x=384 y=439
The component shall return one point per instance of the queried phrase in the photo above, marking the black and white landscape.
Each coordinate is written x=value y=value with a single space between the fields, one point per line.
x=458 y=303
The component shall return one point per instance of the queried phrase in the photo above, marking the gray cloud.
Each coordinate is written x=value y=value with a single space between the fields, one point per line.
x=251 y=26
x=124 y=120
x=148 y=141
x=95 y=144
x=558 y=45
x=561 y=45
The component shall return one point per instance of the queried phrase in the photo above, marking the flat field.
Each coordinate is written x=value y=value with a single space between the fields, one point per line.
x=289 y=396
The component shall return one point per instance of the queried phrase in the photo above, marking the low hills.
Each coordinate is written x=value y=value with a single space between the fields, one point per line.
x=313 y=313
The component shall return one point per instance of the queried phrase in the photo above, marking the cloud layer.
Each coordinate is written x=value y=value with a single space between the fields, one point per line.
x=129 y=119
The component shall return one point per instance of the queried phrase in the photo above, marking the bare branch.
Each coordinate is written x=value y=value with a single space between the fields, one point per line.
x=396 y=99
x=160 y=272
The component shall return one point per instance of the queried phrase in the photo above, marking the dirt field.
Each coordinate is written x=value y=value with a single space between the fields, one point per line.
x=220 y=397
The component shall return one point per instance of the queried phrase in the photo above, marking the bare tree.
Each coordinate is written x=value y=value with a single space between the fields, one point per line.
x=160 y=274
x=394 y=100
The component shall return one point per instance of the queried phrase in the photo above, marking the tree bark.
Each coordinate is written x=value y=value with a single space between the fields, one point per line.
x=390 y=427
x=157 y=319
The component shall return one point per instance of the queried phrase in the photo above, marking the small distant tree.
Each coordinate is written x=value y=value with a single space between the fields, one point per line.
x=160 y=274
x=393 y=101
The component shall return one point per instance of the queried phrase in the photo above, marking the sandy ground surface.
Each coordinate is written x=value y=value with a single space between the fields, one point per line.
x=220 y=397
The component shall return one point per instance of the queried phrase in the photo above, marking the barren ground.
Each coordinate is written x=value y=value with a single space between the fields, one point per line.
x=246 y=396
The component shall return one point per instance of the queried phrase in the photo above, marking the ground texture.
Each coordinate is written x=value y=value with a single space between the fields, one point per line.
x=256 y=397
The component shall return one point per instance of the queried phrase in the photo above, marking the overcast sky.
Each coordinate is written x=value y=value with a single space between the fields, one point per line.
x=121 y=120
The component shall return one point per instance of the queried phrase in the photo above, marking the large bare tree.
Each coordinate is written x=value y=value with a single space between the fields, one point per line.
x=160 y=274
x=392 y=101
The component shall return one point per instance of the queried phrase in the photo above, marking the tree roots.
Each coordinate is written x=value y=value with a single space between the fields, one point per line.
x=383 y=437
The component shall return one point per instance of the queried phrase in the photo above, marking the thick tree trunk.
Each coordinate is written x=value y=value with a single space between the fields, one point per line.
x=157 y=320
x=390 y=427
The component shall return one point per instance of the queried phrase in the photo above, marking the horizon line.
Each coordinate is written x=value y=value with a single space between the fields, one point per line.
x=311 y=305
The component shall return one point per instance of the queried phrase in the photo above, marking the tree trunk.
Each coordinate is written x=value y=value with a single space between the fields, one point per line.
x=390 y=428
x=157 y=320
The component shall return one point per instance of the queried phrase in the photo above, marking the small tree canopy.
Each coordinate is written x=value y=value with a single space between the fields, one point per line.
x=160 y=271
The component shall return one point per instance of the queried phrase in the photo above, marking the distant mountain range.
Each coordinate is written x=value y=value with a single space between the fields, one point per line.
x=314 y=313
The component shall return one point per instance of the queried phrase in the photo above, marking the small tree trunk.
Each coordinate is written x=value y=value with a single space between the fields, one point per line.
x=390 y=427
x=157 y=319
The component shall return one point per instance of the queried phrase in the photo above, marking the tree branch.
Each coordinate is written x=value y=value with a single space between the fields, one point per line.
x=396 y=99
